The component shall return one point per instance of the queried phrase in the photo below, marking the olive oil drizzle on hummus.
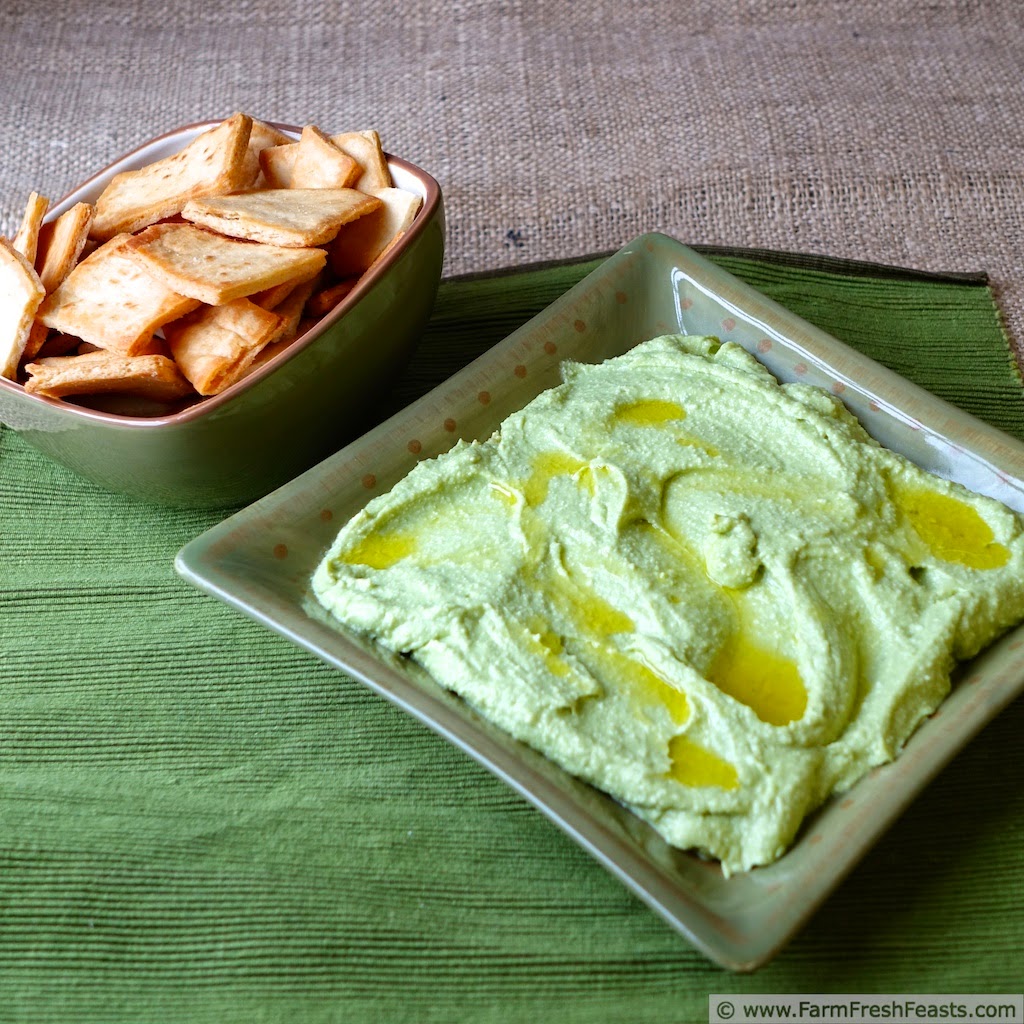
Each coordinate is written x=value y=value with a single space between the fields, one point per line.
x=650 y=412
x=381 y=550
x=768 y=683
x=695 y=766
x=711 y=595
x=952 y=530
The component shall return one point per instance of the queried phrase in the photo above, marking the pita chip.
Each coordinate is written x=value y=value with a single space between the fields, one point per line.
x=216 y=345
x=321 y=164
x=365 y=149
x=26 y=240
x=358 y=244
x=296 y=217
x=111 y=300
x=261 y=137
x=38 y=336
x=323 y=301
x=271 y=298
x=278 y=164
x=264 y=135
x=291 y=312
x=105 y=373
x=352 y=160
x=61 y=243
x=215 y=269
x=20 y=294
x=211 y=164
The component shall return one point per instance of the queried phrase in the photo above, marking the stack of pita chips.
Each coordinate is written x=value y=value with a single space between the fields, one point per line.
x=190 y=271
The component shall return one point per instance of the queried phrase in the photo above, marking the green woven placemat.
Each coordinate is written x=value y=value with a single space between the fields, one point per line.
x=200 y=822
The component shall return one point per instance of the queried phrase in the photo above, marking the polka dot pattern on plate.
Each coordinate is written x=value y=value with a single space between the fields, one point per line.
x=369 y=481
x=728 y=324
x=520 y=371
x=414 y=446
x=764 y=345
x=449 y=425
x=550 y=347
x=280 y=550
x=484 y=397
x=580 y=326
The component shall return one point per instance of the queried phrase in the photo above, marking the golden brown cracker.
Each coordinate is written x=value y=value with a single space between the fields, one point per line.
x=365 y=149
x=262 y=136
x=212 y=163
x=215 y=269
x=21 y=291
x=322 y=302
x=26 y=241
x=61 y=243
x=111 y=300
x=105 y=372
x=271 y=298
x=216 y=345
x=321 y=164
x=37 y=340
x=358 y=244
x=294 y=217
x=278 y=164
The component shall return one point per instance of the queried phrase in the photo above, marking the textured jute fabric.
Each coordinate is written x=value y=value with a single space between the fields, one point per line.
x=201 y=822
x=881 y=130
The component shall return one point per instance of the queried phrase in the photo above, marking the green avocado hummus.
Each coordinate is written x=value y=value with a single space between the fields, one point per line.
x=713 y=596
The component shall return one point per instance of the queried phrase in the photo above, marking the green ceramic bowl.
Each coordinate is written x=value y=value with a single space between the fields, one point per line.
x=297 y=408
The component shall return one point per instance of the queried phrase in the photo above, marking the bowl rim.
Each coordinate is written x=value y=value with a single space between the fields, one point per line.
x=212 y=403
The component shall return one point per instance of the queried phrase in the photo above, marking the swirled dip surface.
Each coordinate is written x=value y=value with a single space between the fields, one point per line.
x=713 y=596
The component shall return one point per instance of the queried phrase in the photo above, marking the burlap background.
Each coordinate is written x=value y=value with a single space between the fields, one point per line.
x=880 y=130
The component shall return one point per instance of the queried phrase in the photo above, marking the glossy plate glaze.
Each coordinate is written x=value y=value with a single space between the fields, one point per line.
x=261 y=559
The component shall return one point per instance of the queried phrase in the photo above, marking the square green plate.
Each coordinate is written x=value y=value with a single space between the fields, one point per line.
x=261 y=559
